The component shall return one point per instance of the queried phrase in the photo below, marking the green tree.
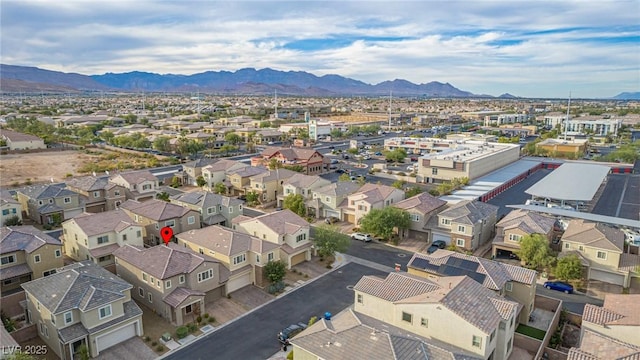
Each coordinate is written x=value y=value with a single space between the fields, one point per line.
x=200 y=181
x=295 y=203
x=396 y=155
x=164 y=196
x=344 y=177
x=535 y=252
x=252 y=197
x=399 y=184
x=383 y=222
x=19 y=355
x=13 y=221
x=353 y=151
x=412 y=191
x=329 y=240
x=220 y=188
x=161 y=143
x=274 y=164
x=227 y=148
x=569 y=268
x=275 y=271
x=232 y=138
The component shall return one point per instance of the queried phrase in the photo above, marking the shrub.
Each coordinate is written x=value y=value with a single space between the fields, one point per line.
x=199 y=319
x=160 y=348
x=154 y=343
x=290 y=355
x=192 y=327
x=206 y=315
x=69 y=175
x=146 y=338
x=212 y=319
x=181 y=332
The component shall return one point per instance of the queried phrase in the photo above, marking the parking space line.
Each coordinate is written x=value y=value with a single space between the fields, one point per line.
x=624 y=189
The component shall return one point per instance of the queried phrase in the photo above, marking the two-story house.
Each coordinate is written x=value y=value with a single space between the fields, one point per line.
x=284 y=228
x=140 y=185
x=329 y=198
x=242 y=254
x=26 y=253
x=239 y=180
x=214 y=209
x=601 y=247
x=466 y=224
x=421 y=208
x=82 y=304
x=155 y=214
x=368 y=197
x=217 y=172
x=98 y=193
x=11 y=208
x=516 y=282
x=518 y=224
x=95 y=237
x=301 y=184
x=268 y=185
x=49 y=203
x=193 y=169
x=311 y=161
x=172 y=280
x=455 y=310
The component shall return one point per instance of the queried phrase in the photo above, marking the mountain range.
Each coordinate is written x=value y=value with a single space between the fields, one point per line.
x=246 y=81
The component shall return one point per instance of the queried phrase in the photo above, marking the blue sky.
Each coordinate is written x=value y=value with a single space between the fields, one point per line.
x=525 y=48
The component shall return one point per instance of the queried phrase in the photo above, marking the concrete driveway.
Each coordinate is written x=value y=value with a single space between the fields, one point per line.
x=133 y=348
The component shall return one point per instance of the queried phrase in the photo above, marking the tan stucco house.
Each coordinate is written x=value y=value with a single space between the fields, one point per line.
x=49 y=203
x=421 y=208
x=466 y=224
x=368 y=197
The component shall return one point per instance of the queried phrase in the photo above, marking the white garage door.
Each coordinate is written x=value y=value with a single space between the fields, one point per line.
x=328 y=213
x=445 y=238
x=611 y=278
x=115 y=337
x=239 y=282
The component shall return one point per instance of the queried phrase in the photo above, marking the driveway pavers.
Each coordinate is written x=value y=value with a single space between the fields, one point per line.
x=133 y=348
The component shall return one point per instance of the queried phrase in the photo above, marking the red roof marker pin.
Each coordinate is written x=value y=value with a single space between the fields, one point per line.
x=166 y=233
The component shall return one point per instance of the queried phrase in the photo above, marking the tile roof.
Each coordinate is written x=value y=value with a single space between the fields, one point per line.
x=204 y=199
x=629 y=262
x=163 y=262
x=14 y=271
x=290 y=153
x=374 y=193
x=89 y=183
x=24 y=238
x=282 y=222
x=154 y=209
x=82 y=285
x=224 y=165
x=17 y=136
x=178 y=295
x=596 y=235
x=6 y=197
x=302 y=181
x=528 y=221
x=273 y=175
x=594 y=346
x=100 y=223
x=103 y=250
x=248 y=171
x=340 y=188
x=46 y=191
x=617 y=309
x=220 y=239
x=424 y=203
x=136 y=177
x=469 y=212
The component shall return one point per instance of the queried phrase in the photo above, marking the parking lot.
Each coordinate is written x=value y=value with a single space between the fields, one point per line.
x=620 y=197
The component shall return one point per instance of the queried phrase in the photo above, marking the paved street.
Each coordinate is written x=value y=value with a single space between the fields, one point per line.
x=572 y=302
x=253 y=336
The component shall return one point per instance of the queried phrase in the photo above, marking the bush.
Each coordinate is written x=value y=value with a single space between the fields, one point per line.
x=199 y=319
x=290 y=355
x=146 y=338
x=212 y=319
x=206 y=315
x=192 y=327
x=154 y=343
x=181 y=332
x=160 y=348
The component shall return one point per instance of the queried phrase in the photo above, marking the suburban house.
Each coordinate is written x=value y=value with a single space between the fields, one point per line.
x=352 y=335
x=98 y=193
x=601 y=249
x=301 y=184
x=421 y=208
x=214 y=209
x=239 y=180
x=610 y=331
x=172 y=280
x=311 y=161
x=95 y=237
x=20 y=141
x=139 y=185
x=154 y=214
x=466 y=224
x=268 y=185
x=368 y=197
x=518 y=224
x=454 y=310
x=516 y=282
x=49 y=203
x=243 y=255
x=327 y=199
x=193 y=169
x=217 y=172
x=284 y=228
x=82 y=304
x=11 y=208
x=27 y=254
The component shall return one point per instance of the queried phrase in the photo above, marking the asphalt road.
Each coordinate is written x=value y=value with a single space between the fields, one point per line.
x=380 y=253
x=516 y=194
x=253 y=336
x=572 y=302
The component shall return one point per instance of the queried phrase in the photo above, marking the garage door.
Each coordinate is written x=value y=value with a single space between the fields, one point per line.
x=350 y=218
x=115 y=337
x=445 y=238
x=297 y=259
x=608 y=277
x=328 y=213
x=239 y=282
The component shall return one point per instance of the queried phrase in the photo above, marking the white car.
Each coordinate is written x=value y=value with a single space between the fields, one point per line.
x=410 y=168
x=361 y=237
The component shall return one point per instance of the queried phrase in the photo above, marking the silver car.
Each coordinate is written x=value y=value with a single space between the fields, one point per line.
x=361 y=237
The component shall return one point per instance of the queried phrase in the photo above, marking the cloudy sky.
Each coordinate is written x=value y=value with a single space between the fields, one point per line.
x=535 y=48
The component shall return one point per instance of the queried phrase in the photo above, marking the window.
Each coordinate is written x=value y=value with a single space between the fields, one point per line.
x=43 y=329
x=152 y=280
x=37 y=305
x=150 y=297
x=157 y=226
x=239 y=259
x=124 y=237
x=191 y=220
x=230 y=209
x=96 y=194
x=502 y=325
x=141 y=292
x=144 y=276
x=581 y=248
x=493 y=334
x=257 y=258
x=36 y=258
x=301 y=237
x=181 y=279
x=146 y=187
x=567 y=245
x=461 y=228
x=116 y=193
x=515 y=237
x=49 y=272
x=53 y=319
x=460 y=242
x=205 y=275
x=200 y=250
x=103 y=239
x=188 y=309
x=360 y=300
x=8 y=259
x=104 y=258
x=158 y=284
x=602 y=255
x=477 y=341
x=508 y=286
x=424 y=322
x=57 y=253
x=407 y=317
x=434 y=171
x=5 y=212
x=40 y=202
x=104 y=312
x=68 y=318
x=67 y=200
x=445 y=222
x=167 y=284
x=415 y=217
x=136 y=218
x=170 y=223
x=269 y=256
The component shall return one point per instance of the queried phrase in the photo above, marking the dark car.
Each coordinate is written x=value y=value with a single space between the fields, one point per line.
x=331 y=220
x=438 y=244
x=559 y=286
x=290 y=331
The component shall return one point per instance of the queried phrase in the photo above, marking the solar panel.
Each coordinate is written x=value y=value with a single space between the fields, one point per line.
x=449 y=270
x=419 y=263
x=462 y=263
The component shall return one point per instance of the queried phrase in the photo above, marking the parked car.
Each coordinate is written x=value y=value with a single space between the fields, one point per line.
x=331 y=220
x=559 y=286
x=438 y=244
x=410 y=168
x=378 y=153
x=290 y=331
x=362 y=237
x=414 y=158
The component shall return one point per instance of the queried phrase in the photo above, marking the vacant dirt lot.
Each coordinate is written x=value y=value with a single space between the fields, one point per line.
x=41 y=166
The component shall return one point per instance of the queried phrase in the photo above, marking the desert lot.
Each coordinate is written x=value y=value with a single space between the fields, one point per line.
x=41 y=167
